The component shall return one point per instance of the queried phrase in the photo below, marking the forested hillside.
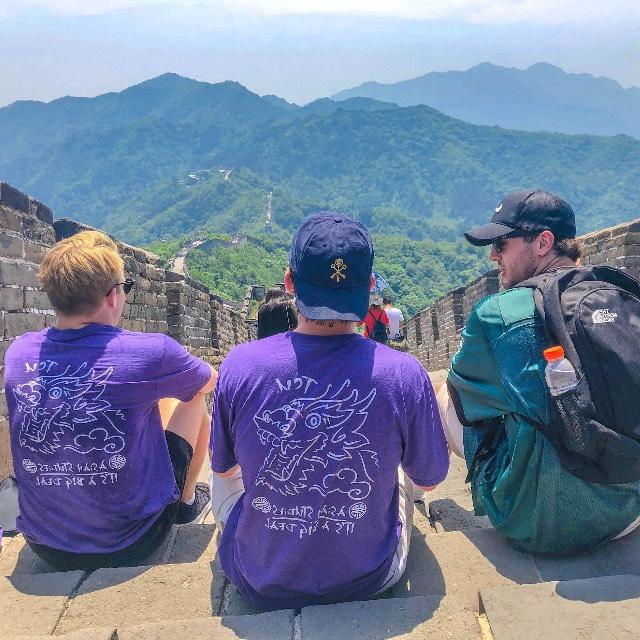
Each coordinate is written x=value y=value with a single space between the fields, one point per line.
x=173 y=156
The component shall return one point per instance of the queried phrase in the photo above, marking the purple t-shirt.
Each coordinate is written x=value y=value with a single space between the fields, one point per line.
x=319 y=426
x=88 y=447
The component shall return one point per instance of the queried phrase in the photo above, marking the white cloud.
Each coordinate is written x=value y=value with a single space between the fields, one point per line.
x=473 y=11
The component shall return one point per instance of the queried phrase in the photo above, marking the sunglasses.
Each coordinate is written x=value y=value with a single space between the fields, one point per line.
x=127 y=285
x=499 y=243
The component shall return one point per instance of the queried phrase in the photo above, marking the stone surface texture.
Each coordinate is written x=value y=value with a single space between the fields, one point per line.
x=33 y=605
x=595 y=608
x=132 y=596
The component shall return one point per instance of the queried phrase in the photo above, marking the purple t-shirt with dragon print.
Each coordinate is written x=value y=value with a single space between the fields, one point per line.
x=319 y=426
x=89 y=451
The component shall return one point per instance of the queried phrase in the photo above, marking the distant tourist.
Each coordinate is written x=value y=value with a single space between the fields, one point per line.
x=537 y=482
x=376 y=322
x=318 y=438
x=100 y=482
x=395 y=318
x=276 y=313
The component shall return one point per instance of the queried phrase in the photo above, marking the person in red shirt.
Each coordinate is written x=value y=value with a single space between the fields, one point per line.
x=376 y=314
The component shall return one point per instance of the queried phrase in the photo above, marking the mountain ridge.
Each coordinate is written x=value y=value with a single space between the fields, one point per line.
x=541 y=97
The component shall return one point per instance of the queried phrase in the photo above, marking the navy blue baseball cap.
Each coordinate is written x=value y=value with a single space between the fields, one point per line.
x=527 y=212
x=331 y=259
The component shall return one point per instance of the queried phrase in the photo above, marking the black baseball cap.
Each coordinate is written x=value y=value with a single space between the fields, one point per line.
x=527 y=211
x=331 y=259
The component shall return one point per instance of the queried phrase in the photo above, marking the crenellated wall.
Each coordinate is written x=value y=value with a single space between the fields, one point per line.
x=161 y=301
x=433 y=335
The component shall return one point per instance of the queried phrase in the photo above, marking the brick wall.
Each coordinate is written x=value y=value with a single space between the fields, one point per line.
x=433 y=335
x=161 y=301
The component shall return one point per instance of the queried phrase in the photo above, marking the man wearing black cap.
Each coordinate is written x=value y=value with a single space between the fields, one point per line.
x=496 y=395
x=319 y=438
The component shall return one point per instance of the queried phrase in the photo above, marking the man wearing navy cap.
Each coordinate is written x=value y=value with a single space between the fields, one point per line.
x=319 y=438
x=496 y=396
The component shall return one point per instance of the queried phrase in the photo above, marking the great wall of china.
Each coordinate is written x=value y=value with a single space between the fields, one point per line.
x=462 y=580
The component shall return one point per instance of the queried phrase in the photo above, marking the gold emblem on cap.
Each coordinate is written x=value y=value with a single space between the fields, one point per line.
x=339 y=268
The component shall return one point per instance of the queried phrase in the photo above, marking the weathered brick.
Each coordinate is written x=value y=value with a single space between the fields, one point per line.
x=9 y=219
x=17 y=272
x=13 y=199
x=34 y=252
x=35 y=299
x=15 y=324
x=11 y=298
x=41 y=211
x=11 y=246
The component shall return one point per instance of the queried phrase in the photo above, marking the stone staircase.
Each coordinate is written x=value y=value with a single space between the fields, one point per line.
x=462 y=582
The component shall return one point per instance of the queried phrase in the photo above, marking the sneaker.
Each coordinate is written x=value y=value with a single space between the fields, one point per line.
x=195 y=513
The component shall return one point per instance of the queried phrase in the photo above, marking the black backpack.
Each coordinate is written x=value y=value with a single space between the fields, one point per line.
x=594 y=314
x=379 y=333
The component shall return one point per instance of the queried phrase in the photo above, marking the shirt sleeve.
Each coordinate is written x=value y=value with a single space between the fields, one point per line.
x=181 y=375
x=425 y=458
x=474 y=380
x=222 y=445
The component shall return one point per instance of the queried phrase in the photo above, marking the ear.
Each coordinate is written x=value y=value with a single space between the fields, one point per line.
x=544 y=243
x=111 y=299
x=288 y=281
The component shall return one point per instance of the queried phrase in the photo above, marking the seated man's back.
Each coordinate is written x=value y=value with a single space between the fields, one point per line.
x=99 y=479
x=319 y=421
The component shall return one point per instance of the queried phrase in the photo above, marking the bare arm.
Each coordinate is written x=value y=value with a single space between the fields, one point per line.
x=211 y=383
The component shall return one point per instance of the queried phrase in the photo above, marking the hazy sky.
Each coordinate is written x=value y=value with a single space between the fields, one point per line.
x=301 y=49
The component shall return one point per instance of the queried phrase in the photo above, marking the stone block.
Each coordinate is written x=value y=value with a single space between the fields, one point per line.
x=34 y=604
x=141 y=595
x=11 y=298
x=172 y=276
x=18 y=559
x=459 y=563
x=93 y=633
x=607 y=607
x=35 y=299
x=408 y=618
x=9 y=219
x=616 y=557
x=15 y=324
x=13 y=199
x=275 y=625
x=41 y=211
x=17 y=272
x=38 y=231
x=34 y=252
x=195 y=542
x=11 y=246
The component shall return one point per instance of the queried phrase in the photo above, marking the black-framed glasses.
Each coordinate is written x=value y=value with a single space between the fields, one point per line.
x=499 y=243
x=127 y=285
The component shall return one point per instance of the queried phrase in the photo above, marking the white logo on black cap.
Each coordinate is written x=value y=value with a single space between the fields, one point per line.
x=499 y=208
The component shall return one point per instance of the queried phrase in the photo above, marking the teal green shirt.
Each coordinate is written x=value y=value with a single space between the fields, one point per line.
x=522 y=487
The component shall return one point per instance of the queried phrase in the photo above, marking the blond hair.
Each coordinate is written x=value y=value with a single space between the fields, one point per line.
x=78 y=272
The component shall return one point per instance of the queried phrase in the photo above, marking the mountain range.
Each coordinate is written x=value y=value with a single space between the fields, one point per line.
x=171 y=154
x=540 y=98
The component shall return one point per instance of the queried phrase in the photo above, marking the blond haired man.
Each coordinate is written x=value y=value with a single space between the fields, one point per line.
x=99 y=479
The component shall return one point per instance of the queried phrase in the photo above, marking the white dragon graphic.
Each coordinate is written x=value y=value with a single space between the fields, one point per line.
x=317 y=444
x=55 y=404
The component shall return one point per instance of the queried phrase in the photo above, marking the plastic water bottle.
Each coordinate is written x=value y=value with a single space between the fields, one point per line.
x=559 y=372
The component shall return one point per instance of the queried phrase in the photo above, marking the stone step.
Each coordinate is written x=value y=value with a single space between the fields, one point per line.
x=407 y=618
x=35 y=604
x=605 y=607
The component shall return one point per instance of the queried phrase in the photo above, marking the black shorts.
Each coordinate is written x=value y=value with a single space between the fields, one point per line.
x=180 y=452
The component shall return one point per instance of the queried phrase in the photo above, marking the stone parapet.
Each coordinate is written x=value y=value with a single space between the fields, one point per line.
x=161 y=301
x=433 y=335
